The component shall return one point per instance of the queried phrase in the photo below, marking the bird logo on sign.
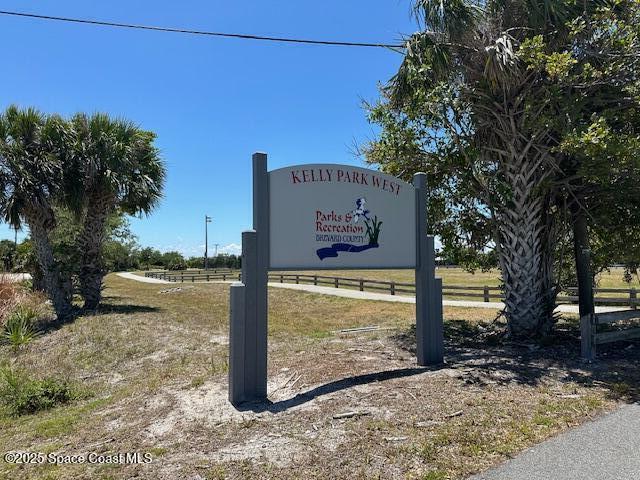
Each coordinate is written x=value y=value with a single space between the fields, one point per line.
x=360 y=211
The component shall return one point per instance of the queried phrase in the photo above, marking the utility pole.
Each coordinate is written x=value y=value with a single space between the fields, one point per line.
x=207 y=220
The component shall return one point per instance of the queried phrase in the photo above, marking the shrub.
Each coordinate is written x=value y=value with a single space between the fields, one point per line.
x=19 y=328
x=177 y=265
x=21 y=395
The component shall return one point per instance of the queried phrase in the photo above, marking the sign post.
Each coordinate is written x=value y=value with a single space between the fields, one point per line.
x=429 y=327
x=326 y=216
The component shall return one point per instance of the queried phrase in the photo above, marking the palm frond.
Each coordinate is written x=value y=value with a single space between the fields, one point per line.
x=426 y=63
x=451 y=18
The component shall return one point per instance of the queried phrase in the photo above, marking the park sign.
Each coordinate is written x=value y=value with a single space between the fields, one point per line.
x=326 y=216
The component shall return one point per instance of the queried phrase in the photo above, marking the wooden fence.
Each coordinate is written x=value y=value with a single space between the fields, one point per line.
x=591 y=337
x=482 y=293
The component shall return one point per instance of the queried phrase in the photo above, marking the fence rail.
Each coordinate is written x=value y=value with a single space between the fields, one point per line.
x=591 y=337
x=483 y=293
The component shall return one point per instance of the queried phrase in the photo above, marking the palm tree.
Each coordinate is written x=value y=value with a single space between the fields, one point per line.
x=118 y=168
x=468 y=67
x=32 y=165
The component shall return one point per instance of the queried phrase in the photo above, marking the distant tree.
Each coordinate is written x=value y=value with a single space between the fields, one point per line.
x=32 y=173
x=150 y=256
x=26 y=261
x=120 y=256
x=118 y=167
x=173 y=261
x=7 y=253
x=121 y=251
x=197 y=262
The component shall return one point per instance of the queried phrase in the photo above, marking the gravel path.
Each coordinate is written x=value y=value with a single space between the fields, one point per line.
x=140 y=278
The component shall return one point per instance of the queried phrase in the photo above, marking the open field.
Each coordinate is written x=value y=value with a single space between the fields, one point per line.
x=462 y=285
x=153 y=366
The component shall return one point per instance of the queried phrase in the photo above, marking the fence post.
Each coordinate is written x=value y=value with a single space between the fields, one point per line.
x=392 y=288
x=361 y=285
x=336 y=282
x=315 y=279
x=207 y=277
x=281 y=278
x=587 y=347
x=297 y=279
x=224 y=277
x=486 y=293
x=633 y=298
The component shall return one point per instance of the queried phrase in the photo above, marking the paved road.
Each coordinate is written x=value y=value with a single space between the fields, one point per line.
x=605 y=449
x=140 y=278
x=347 y=293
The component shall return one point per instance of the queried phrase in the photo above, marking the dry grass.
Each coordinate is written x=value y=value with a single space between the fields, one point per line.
x=13 y=294
x=154 y=367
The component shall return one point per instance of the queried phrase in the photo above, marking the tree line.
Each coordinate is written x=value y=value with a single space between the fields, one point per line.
x=121 y=252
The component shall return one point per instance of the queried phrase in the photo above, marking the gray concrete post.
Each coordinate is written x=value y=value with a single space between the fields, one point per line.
x=429 y=326
x=261 y=272
x=248 y=301
x=248 y=331
x=237 y=344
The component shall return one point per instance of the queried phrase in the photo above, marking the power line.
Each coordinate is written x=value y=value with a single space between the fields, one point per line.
x=200 y=32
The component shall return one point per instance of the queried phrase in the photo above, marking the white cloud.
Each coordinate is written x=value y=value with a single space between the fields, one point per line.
x=198 y=250
x=231 y=249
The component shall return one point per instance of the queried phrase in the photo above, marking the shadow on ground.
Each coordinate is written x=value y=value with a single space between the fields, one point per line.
x=332 y=387
x=107 y=308
x=482 y=349
x=483 y=357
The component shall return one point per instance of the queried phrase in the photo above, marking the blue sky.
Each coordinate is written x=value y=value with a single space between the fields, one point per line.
x=212 y=101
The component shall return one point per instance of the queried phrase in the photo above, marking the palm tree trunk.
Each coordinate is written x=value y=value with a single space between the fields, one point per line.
x=58 y=287
x=526 y=252
x=90 y=243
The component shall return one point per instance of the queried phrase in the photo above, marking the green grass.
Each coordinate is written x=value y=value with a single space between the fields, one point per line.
x=19 y=329
x=22 y=395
